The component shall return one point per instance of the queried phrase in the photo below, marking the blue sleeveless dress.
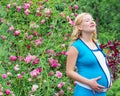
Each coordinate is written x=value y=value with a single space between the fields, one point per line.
x=88 y=67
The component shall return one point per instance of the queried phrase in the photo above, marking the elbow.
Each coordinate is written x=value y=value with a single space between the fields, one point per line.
x=68 y=73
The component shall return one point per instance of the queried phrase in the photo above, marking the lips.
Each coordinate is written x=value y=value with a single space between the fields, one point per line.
x=93 y=25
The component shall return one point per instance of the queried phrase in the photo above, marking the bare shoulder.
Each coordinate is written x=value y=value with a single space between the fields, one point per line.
x=72 y=51
x=72 y=56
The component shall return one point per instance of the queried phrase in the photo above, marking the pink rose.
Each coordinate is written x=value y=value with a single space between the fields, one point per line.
x=1 y=20
x=33 y=73
x=13 y=58
x=17 y=33
x=27 y=12
x=58 y=74
x=29 y=58
x=34 y=88
x=36 y=61
x=61 y=84
x=19 y=76
x=8 y=6
x=71 y=22
x=61 y=92
x=48 y=11
x=1 y=93
x=65 y=38
x=18 y=8
x=76 y=7
x=4 y=76
x=26 y=6
x=8 y=92
x=16 y=68
x=11 y=28
x=51 y=26
x=38 y=41
x=43 y=21
x=50 y=73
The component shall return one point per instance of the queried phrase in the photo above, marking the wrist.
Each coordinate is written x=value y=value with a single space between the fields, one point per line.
x=88 y=82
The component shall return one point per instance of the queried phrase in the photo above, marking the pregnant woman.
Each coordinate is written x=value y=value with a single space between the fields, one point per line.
x=92 y=75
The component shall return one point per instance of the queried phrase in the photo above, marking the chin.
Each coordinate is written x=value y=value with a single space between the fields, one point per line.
x=93 y=30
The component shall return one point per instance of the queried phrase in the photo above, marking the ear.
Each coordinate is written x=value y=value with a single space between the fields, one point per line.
x=80 y=27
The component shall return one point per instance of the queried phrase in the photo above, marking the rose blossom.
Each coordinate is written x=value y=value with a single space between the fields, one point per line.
x=27 y=12
x=18 y=8
x=29 y=58
x=53 y=63
x=8 y=92
x=33 y=73
x=63 y=45
x=3 y=37
x=4 y=76
x=50 y=73
x=36 y=61
x=71 y=22
x=65 y=38
x=1 y=93
x=22 y=72
x=34 y=88
x=11 y=28
x=13 y=58
x=38 y=41
x=58 y=74
x=17 y=33
x=26 y=6
x=76 y=7
x=30 y=2
x=61 y=92
x=16 y=67
x=1 y=20
x=64 y=53
x=19 y=76
x=8 y=6
x=51 y=26
x=61 y=84
x=43 y=21
x=47 y=11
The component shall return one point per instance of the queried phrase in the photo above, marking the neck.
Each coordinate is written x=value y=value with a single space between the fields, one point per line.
x=87 y=37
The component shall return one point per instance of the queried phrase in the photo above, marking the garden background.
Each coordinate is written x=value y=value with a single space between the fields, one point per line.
x=34 y=39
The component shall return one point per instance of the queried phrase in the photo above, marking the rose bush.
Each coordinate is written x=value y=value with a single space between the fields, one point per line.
x=112 y=49
x=34 y=38
x=34 y=48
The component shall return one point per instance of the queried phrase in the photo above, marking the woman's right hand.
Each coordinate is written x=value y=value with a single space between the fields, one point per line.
x=94 y=85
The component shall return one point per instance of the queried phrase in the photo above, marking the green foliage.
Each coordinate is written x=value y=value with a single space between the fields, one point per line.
x=54 y=34
x=114 y=90
x=106 y=14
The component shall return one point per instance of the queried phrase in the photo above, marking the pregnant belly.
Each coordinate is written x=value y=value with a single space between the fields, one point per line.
x=102 y=81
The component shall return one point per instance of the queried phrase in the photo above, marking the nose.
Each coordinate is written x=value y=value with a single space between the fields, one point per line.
x=93 y=22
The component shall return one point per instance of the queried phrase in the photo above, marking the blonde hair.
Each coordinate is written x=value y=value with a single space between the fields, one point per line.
x=76 y=32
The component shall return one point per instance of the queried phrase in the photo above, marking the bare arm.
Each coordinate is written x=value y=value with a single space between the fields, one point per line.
x=70 y=66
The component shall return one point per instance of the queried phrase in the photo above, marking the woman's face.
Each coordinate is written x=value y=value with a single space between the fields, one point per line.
x=88 y=24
